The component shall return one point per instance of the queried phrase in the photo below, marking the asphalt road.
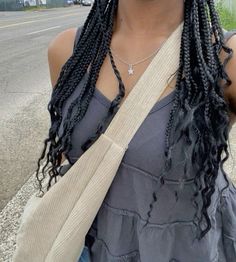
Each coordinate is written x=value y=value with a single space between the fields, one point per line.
x=25 y=90
x=24 y=93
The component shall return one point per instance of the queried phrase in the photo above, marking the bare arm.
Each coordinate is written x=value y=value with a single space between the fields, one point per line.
x=59 y=51
x=230 y=91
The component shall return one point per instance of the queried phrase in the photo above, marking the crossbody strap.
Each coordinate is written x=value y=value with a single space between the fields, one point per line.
x=146 y=91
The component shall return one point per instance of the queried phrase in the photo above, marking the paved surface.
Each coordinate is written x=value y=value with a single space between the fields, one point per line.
x=25 y=89
x=24 y=93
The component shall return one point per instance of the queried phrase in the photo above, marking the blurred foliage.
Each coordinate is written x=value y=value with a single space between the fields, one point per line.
x=228 y=17
x=34 y=8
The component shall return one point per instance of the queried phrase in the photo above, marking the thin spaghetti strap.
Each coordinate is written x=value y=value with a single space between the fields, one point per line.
x=77 y=35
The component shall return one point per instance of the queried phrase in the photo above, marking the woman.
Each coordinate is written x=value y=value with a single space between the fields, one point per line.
x=189 y=213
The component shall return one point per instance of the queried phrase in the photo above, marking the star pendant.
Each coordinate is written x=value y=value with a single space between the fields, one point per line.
x=130 y=70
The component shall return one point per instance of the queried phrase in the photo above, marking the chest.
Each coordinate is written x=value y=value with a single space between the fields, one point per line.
x=108 y=84
x=146 y=148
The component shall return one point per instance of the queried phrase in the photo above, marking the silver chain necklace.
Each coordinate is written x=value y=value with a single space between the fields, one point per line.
x=130 y=66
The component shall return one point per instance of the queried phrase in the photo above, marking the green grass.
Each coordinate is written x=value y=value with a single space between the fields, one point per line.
x=228 y=19
x=34 y=8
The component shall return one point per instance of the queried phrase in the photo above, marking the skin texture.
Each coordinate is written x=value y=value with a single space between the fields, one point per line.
x=157 y=19
x=59 y=50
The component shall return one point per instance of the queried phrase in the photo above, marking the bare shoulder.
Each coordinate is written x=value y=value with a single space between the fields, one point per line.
x=60 y=49
x=230 y=91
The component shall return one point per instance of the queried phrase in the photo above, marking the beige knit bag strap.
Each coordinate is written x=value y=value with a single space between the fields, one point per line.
x=55 y=230
x=146 y=92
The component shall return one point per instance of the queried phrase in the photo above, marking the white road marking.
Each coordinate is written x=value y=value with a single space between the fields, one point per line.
x=39 y=31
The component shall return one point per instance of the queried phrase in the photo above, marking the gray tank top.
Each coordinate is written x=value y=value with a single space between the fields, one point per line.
x=117 y=233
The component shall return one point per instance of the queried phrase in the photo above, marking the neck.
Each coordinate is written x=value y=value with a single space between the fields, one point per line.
x=143 y=18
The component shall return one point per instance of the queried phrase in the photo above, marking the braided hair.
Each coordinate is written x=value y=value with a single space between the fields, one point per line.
x=199 y=114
